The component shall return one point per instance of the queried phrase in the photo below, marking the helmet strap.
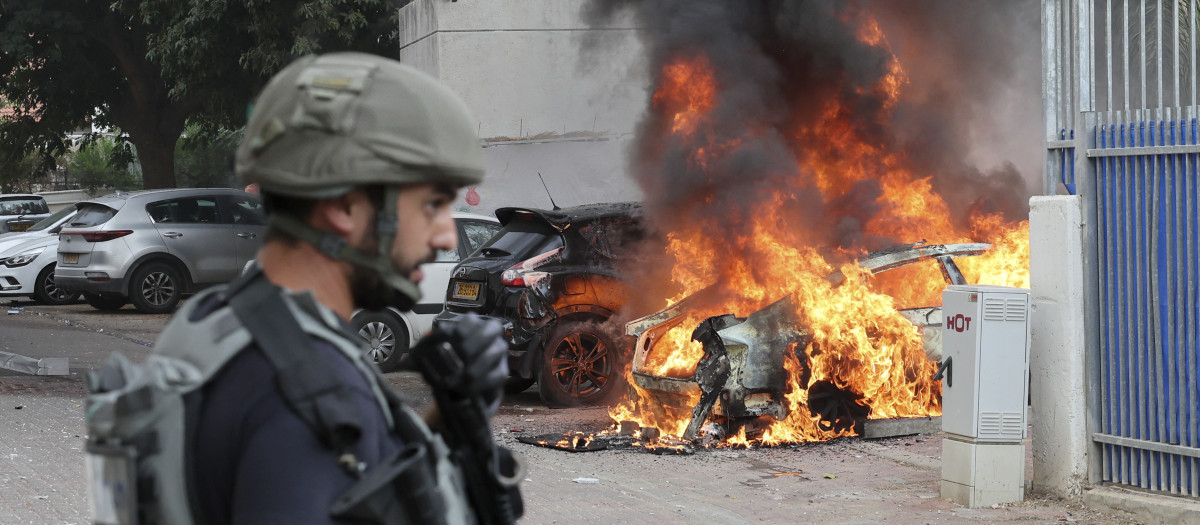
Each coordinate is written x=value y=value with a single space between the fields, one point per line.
x=401 y=292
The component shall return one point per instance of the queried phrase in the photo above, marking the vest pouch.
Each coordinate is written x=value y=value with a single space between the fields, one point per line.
x=403 y=489
x=112 y=484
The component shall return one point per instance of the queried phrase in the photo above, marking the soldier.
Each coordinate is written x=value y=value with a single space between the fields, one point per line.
x=358 y=159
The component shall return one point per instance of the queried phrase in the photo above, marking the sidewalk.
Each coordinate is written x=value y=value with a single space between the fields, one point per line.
x=849 y=481
x=41 y=450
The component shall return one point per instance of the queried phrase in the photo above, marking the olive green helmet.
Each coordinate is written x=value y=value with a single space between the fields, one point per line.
x=327 y=124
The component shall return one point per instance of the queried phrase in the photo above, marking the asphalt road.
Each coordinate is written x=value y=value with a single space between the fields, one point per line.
x=848 y=481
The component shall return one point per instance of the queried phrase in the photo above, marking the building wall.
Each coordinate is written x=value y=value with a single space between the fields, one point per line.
x=553 y=93
x=575 y=172
x=57 y=200
x=529 y=67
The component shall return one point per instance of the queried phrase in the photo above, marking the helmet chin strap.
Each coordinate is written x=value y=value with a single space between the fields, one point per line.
x=400 y=292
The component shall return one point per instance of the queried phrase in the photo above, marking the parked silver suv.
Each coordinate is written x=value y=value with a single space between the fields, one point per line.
x=152 y=247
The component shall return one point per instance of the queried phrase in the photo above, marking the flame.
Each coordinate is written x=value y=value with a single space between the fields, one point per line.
x=688 y=90
x=681 y=361
x=574 y=440
x=860 y=344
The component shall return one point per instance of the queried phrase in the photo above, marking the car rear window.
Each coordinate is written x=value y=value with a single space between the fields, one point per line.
x=92 y=214
x=48 y=221
x=521 y=239
x=612 y=238
x=478 y=233
x=23 y=206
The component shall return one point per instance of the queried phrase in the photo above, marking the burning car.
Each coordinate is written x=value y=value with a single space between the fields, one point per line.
x=551 y=278
x=741 y=381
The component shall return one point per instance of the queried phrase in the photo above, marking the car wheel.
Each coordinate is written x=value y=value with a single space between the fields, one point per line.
x=580 y=366
x=386 y=336
x=105 y=301
x=46 y=292
x=155 y=288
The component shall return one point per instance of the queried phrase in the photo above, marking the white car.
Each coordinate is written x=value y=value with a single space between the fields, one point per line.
x=27 y=261
x=390 y=332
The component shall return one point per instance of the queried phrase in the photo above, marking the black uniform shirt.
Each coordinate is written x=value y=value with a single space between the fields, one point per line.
x=256 y=462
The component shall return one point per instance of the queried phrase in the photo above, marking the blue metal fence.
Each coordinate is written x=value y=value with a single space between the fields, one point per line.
x=1066 y=162
x=1145 y=191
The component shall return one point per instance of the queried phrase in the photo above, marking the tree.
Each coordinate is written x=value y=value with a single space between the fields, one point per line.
x=149 y=67
x=18 y=171
x=204 y=159
x=103 y=163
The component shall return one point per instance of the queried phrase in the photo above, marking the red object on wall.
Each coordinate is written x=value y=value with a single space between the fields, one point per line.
x=472 y=196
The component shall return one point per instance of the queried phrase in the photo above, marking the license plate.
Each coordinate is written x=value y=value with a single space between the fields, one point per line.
x=466 y=291
x=70 y=258
x=19 y=227
x=112 y=485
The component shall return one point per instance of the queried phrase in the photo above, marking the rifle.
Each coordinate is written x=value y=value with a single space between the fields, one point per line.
x=494 y=494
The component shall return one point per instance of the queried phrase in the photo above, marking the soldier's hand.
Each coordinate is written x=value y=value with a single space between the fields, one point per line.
x=467 y=358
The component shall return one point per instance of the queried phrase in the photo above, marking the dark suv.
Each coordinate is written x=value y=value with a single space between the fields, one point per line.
x=551 y=277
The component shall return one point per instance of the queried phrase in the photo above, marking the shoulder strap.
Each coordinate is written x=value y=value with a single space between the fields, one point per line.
x=323 y=402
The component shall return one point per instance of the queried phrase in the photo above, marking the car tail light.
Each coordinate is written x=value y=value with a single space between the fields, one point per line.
x=100 y=236
x=515 y=276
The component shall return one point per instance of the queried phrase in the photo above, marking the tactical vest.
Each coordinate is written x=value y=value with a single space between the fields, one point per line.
x=140 y=417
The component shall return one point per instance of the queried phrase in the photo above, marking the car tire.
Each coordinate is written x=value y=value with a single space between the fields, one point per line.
x=155 y=288
x=105 y=301
x=46 y=292
x=581 y=365
x=386 y=336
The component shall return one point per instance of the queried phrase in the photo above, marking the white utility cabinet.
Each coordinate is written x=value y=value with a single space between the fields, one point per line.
x=985 y=336
x=985 y=388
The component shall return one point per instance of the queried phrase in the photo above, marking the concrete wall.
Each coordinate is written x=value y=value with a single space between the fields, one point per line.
x=553 y=93
x=529 y=67
x=1057 y=367
x=58 y=200
x=575 y=172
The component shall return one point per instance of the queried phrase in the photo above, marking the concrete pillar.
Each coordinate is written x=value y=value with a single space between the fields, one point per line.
x=1056 y=359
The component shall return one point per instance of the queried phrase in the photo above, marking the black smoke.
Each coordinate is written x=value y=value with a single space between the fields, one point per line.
x=779 y=62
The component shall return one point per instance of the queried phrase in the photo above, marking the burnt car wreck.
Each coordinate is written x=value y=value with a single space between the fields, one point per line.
x=552 y=279
x=740 y=382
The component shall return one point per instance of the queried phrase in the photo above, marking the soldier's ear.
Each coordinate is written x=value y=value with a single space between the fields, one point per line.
x=348 y=216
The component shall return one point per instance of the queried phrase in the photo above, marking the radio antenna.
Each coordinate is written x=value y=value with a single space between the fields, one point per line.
x=556 y=208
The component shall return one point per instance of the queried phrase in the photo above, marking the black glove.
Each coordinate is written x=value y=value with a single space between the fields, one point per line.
x=466 y=358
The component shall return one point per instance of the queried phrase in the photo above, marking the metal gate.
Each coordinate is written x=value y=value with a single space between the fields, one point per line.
x=1122 y=110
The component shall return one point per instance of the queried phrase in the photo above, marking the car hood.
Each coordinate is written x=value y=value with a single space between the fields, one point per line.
x=24 y=240
x=22 y=245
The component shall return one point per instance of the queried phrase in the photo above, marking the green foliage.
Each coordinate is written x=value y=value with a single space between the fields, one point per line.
x=104 y=163
x=18 y=170
x=204 y=159
x=149 y=66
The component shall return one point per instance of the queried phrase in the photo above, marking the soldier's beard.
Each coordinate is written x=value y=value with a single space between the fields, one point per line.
x=370 y=292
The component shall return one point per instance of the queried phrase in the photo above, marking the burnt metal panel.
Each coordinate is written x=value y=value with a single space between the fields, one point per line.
x=48 y=366
x=884 y=260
